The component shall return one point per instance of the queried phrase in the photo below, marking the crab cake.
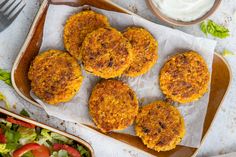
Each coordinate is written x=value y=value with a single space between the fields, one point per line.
x=106 y=53
x=113 y=105
x=78 y=26
x=55 y=76
x=185 y=77
x=144 y=49
x=160 y=126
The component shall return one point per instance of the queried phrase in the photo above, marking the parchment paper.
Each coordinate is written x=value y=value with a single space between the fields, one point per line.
x=146 y=86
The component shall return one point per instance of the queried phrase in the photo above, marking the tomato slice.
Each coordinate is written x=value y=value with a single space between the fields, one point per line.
x=19 y=122
x=71 y=151
x=25 y=148
x=43 y=151
x=2 y=137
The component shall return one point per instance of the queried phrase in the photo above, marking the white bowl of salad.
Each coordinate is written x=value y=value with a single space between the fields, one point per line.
x=23 y=137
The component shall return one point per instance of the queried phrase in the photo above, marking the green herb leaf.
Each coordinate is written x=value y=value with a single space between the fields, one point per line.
x=5 y=76
x=227 y=53
x=24 y=113
x=214 y=29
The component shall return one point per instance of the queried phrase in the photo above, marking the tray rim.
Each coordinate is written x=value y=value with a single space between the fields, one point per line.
x=45 y=126
x=29 y=37
x=221 y=103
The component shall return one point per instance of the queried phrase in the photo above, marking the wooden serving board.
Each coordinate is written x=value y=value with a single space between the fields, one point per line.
x=221 y=76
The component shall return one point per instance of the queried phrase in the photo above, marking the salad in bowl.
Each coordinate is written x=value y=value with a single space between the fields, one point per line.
x=22 y=139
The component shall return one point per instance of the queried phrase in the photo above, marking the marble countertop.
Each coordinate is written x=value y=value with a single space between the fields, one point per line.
x=222 y=136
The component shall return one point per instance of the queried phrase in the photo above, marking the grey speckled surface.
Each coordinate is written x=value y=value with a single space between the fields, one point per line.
x=222 y=136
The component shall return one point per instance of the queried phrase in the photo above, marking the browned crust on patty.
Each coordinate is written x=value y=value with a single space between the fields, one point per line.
x=160 y=126
x=185 y=77
x=106 y=53
x=78 y=26
x=55 y=76
x=113 y=105
x=145 y=51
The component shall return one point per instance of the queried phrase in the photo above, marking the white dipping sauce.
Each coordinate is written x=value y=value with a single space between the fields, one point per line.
x=184 y=10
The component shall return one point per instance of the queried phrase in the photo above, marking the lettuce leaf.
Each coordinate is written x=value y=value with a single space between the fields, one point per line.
x=45 y=133
x=12 y=139
x=27 y=135
x=83 y=151
x=4 y=149
x=5 y=76
x=12 y=136
x=60 y=153
x=47 y=137
x=216 y=30
x=59 y=137
x=44 y=136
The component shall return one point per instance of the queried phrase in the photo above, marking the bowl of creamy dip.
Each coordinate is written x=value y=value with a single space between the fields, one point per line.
x=183 y=12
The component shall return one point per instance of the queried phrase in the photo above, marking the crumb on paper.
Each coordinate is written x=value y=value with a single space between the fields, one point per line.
x=3 y=98
x=131 y=153
x=14 y=106
x=133 y=9
x=227 y=20
x=227 y=53
x=62 y=123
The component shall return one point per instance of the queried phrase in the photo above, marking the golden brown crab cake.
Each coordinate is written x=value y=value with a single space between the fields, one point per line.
x=78 y=26
x=55 y=76
x=144 y=48
x=106 y=53
x=185 y=77
x=160 y=126
x=113 y=105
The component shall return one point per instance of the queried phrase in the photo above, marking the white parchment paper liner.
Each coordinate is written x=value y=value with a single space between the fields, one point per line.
x=170 y=41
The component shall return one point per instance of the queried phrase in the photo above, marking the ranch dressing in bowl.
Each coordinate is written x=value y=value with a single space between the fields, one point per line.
x=184 y=10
